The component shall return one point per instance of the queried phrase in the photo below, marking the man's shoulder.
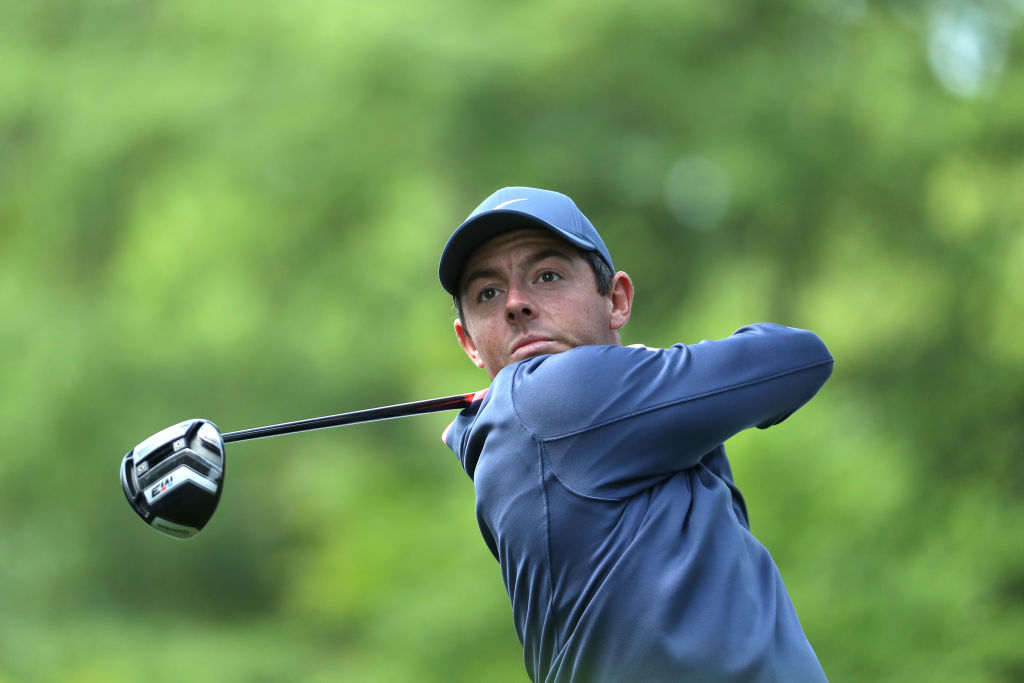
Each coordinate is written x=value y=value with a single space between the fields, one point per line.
x=559 y=393
x=582 y=365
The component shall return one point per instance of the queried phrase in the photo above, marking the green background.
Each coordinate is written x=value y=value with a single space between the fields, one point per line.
x=233 y=210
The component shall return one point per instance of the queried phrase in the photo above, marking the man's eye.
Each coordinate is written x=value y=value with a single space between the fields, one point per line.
x=487 y=294
x=549 y=276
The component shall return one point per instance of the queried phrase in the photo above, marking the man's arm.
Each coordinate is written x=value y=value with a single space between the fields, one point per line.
x=636 y=414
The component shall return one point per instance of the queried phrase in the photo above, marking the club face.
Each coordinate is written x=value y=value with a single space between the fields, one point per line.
x=173 y=479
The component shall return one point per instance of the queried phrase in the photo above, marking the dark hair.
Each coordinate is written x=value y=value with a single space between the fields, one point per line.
x=602 y=276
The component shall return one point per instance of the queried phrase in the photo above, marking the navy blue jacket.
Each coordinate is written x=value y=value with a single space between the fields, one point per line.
x=603 y=490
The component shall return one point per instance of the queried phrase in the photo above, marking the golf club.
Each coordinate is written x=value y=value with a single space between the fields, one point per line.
x=173 y=479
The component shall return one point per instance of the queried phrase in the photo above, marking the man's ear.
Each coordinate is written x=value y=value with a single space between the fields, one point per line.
x=467 y=344
x=621 y=296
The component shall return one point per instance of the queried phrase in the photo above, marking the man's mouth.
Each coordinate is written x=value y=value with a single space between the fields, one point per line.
x=530 y=344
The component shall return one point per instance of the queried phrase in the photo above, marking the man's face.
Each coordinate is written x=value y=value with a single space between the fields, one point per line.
x=526 y=293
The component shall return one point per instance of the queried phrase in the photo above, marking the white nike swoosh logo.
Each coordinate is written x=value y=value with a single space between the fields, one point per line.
x=511 y=201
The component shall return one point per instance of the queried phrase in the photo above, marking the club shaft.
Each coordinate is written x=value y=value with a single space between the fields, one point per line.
x=432 y=405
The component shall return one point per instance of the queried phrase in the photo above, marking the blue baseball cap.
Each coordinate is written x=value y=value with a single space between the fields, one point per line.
x=515 y=208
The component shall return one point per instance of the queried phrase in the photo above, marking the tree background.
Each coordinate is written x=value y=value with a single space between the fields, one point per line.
x=234 y=210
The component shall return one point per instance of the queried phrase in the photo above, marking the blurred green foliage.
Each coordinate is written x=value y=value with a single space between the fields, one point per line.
x=234 y=210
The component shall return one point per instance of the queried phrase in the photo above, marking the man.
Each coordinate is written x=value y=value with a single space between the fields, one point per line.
x=601 y=482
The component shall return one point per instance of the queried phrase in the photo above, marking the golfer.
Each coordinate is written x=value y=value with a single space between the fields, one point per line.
x=602 y=486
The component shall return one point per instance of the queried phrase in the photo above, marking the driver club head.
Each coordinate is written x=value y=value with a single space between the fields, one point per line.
x=173 y=479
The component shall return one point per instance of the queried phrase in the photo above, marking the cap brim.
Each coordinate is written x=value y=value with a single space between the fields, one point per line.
x=483 y=227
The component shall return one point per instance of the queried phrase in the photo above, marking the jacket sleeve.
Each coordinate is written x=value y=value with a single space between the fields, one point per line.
x=613 y=420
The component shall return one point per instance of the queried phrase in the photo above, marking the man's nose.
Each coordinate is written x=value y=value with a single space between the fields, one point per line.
x=518 y=305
